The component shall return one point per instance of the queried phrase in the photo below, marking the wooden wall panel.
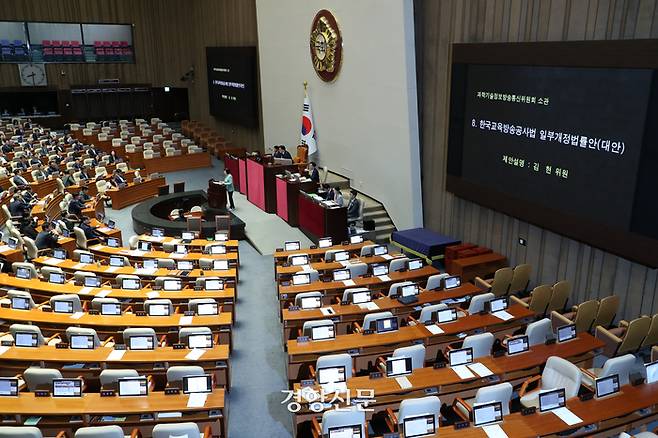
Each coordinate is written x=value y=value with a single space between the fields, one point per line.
x=593 y=273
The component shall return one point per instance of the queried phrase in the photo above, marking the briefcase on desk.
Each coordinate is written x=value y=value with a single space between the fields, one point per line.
x=369 y=225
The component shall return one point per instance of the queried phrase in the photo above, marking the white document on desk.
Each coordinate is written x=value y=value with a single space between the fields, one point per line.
x=145 y=271
x=403 y=382
x=103 y=293
x=344 y=263
x=494 y=431
x=480 y=369
x=86 y=290
x=175 y=255
x=463 y=372
x=112 y=269
x=4 y=248
x=105 y=229
x=152 y=294
x=195 y=354
x=116 y=355
x=387 y=257
x=52 y=261
x=349 y=283
x=327 y=311
x=384 y=278
x=368 y=306
x=3 y=350
x=97 y=247
x=567 y=416
x=79 y=265
x=505 y=316
x=185 y=320
x=434 y=329
x=196 y=400
x=77 y=315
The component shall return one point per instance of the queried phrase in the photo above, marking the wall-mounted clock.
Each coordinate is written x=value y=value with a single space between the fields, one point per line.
x=326 y=45
x=33 y=75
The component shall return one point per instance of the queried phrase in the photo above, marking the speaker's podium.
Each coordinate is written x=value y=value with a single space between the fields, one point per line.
x=216 y=194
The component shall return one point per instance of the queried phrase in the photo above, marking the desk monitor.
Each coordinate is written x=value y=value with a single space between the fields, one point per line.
x=92 y=281
x=111 y=309
x=116 y=261
x=518 y=344
x=20 y=303
x=606 y=386
x=356 y=239
x=132 y=386
x=420 y=426
x=100 y=216
x=341 y=256
x=185 y=265
x=111 y=224
x=180 y=249
x=652 y=372
x=360 y=297
x=446 y=315
x=67 y=387
x=130 y=284
x=566 y=333
x=187 y=235
x=26 y=339
x=460 y=356
x=86 y=258
x=81 y=342
x=299 y=260
x=158 y=310
x=299 y=279
x=398 y=366
x=207 y=309
x=487 y=413
x=384 y=325
x=142 y=342
x=8 y=386
x=311 y=302
x=199 y=340
x=150 y=264
x=329 y=375
x=56 y=277
x=63 y=306
x=218 y=249
x=221 y=236
x=144 y=246
x=220 y=265
x=112 y=242
x=194 y=384
x=325 y=242
x=452 y=282
x=66 y=232
x=553 y=399
x=497 y=304
x=172 y=285
x=379 y=269
x=409 y=290
x=12 y=242
x=24 y=273
x=59 y=253
x=414 y=264
x=342 y=274
x=157 y=232
x=214 y=284
x=352 y=431
x=292 y=245
x=323 y=332
x=380 y=250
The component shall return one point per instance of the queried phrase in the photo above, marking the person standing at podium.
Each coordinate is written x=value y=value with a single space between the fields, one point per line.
x=228 y=183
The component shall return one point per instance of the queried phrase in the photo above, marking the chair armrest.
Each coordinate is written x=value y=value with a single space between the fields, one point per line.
x=524 y=386
x=62 y=434
x=480 y=282
x=412 y=321
x=623 y=323
x=311 y=371
x=391 y=420
x=462 y=403
x=150 y=382
x=135 y=433
x=53 y=337
x=107 y=341
x=588 y=373
x=357 y=327
x=381 y=294
x=128 y=309
x=163 y=340
x=518 y=300
x=610 y=340
x=557 y=320
x=338 y=301
x=207 y=431
x=21 y=386
x=299 y=332
x=316 y=429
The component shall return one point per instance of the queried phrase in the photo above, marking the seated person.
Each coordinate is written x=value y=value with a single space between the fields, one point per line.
x=29 y=196
x=90 y=232
x=284 y=153
x=181 y=216
x=68 y=178
x=353 y=206
x=338 y=199
x=277 y=152
x=76 y=206
x=27 y=226
x=18 y=179
x=84 y=194
x=46 y=238
x=84 y=175
x=18 y=206
x=118 y=179
x=52 y=168
x=313 y=172
x=66 y=221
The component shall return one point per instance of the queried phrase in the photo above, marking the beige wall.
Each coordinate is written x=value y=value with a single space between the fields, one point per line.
x=594 y=273
x=366 y=120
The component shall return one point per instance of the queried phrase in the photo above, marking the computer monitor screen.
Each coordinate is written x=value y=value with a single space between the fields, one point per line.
x=549 y=400
x=380 y=250
x=157 y=232
x=56 y=277
x=323 y=332
x=423 y=425
x=331 y=375
x=398 y=366
x=378 y=270
x=20 y=303
x=498 y=304
x=12 y=242
x=221 y=237
x=110 y=309
x=292 y=246
x=130 y=284
x=325 y=242
x=607 y=385
x=452 y=282
x=299 y=279
x=59 y=253
x=299 y=260
x=199 y=340
x=112 y=242
x=158 y=310
x=8 y=386
x=23 y=273
x=384 y=325
x=356 y=239
x=132 y=386
x=460 y=356
x=652 y=372
x=341 y=274
x=446 y=315
x=518 y=344
x=63 y=307
x=353 y=431
x=26 y=339
x=311 y=302
x=218 y=249
x=341 y=256
x=141 y=342
x=111 y=224
x=181 y=249
x=92 y=282
x=487 y=413
x=220 y=265
x=172 y=285
x=214 y=284
x=361 y=297
x=150 y=264
x=86 y=258
x=414 y=264
x=100 y=216
x=144 y=246
x=409 y=290
x=187 y=235
x=81 y=342
x=116 y=261
x=207 y=309
x=193 y=384
x=66 y=233
x=185 y=265
x=566 y=333
x=67 y=387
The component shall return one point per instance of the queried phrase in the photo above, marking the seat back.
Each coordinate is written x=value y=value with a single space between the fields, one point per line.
x=415 y=352
x=585 y=315
x=139 y=331
x=347 y=293
x=366 y=250
x=113 y=431
x=621 y=365
x=539 y=299
x=67 y=298
x=636 y=331
x=520 y=279
x=189 y=430
x=652 y=336
x=480 y=343
x=20 y=432
x=21 y=294
x=184 y=332
x=357 y=269
x=560 y=373
x=289 y=258
x=307 y=328
x=329 y=254
x=414 y=407
x=39 y=377
x=301 y=296
x=80 y=238
x=336 y=360
x=97 y=303
x=502 y=281
x=477 y=302
x=428 y=313
x=70 y=331
x=193 y=304
x=27 y=328
x=148 y=303
x=335 y=418
x=501 y=392
x=394 y=288
x=369 y=319
x=539 y=331
x=434 y=281
x=176 y=373
x=29 y=266
x=398 y=264
x=559 y=297
x=31 y=249
x=167 y=263
x=607 y=311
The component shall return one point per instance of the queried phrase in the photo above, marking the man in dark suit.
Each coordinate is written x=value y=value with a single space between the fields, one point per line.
x=90 y=232
x=118 y=179
x=76 y=206
x=17 y=206
x=84 y=176
x=18 y=179
x=27 y=226
x=277 y=152
x=313 y=172
x=46 y=238
x=284 y=153
x=353 y=206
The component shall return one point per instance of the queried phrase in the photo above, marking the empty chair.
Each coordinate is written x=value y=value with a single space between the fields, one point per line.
x=335 y=360
x=45 y=271
x=201 y=281
x=80 y=238
x=520 y=279
x=112 y=431
x=148 y=154
x=626 y=338
x=398 y=264
x=477 y=302
x=366 y=250
x=167 y=263
x=370 y=320
x=159 y=281
x=100 y=171
x=538 y=299
x=583 y=316
x=621 y=365
x=133 y=241
x=76 y=305
x=480 y=343
x=651 y=338
x=350 y=291
x=178 y=430
x=335 y=419
x=176 y=373
x=31 y=250
x=357 y=269
x=139 y=331
x=501 y=392
x=434 y=281
x=607 y=311
x=299 y=298
x=122 y=167
x=558 y=373
x=428 y=313
x=500 y=284
x=158 y=301
x=126 y=262
x=290 y=257
x=71 y=331
x=196 y=209
x=22 y=294
x=559 y=297
x=20 y=432
x=111 y=376
x=539 y=332
x=29 y=266
x=415 y=352
x=307 y=328
x=329 y=254
x=79 y=276
x=36 y=378
x=185 y=332
x=413 y=408
x=97 y=303
x=393 y=289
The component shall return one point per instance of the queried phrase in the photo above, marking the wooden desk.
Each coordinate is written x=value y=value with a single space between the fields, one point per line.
x=261 y=185
x=317 y=221
x=231 y=245
x=177 y=162
x=287 y=193
x=137 y=255
x=479 y=266
x=283 y=272
x=318 y=253
x=134 y=193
